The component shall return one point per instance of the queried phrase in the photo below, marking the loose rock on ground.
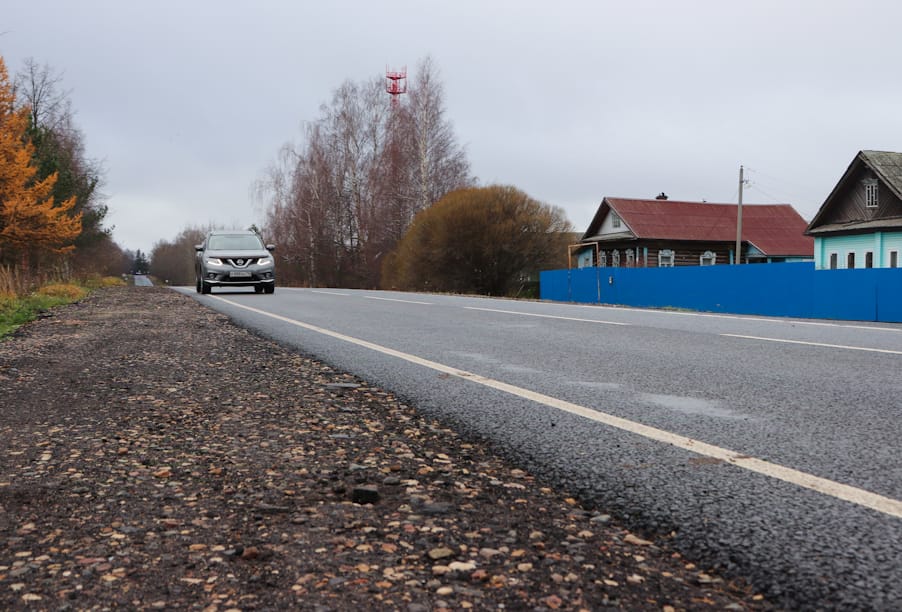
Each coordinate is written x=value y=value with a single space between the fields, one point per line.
x=158 y=457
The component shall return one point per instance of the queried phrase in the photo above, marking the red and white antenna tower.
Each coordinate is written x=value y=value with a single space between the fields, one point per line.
x=396 y=84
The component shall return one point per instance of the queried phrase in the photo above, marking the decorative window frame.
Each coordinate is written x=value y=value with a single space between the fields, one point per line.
x=630 y=258
x=871 y=193
x=602 y=259
x=615 y=258
x=666 y=258
x=708 y=258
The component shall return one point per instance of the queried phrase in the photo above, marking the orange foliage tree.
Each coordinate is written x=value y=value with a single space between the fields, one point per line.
x=30 y=220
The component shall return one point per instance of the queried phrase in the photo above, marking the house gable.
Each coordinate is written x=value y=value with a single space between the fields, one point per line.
x=613 y=223
x=867 y=198
x=608 y=223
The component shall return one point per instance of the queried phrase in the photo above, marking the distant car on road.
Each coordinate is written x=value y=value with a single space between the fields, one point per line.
x=234 y=259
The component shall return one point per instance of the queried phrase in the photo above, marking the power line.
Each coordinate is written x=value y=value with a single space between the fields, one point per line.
x=756 y=188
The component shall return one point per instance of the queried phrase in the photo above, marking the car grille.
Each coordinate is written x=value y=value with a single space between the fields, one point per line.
x=241 y=262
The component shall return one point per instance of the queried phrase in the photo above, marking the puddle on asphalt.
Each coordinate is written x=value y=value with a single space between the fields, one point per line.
x=478 y=357
x=515 y=369
x=488 y=359
x=691 y=405
x=600 y=386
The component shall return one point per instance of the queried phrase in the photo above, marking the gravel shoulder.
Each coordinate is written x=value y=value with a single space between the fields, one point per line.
x=156 y=456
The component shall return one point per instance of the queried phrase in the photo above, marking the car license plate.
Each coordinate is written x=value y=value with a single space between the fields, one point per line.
x=240 y=274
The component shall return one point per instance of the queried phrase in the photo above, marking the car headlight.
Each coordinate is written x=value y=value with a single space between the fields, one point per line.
x=264 y=261
x=214 y=261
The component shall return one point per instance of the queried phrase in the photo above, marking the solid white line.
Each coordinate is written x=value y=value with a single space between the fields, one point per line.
x=373 y=297
x=861 y=497
x=823 y=344
x=545 y=316
x=330 y=293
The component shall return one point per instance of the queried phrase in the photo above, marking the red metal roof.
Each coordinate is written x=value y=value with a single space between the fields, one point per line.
x=775 y=229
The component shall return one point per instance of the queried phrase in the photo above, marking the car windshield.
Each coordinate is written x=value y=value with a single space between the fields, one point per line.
x=235 y=242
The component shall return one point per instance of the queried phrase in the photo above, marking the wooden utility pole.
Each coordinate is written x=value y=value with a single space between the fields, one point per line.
x=739 y=220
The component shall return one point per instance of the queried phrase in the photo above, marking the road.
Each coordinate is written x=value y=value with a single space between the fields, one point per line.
x=769 y=448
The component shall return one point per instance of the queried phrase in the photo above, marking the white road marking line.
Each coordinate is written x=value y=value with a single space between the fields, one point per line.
x=330 y=293
x=740 y=317
x=545 y=316
x=823 y=344
x=373 y=297
x=848 y=493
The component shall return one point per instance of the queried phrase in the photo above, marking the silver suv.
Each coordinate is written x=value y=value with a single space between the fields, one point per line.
x=234 y=259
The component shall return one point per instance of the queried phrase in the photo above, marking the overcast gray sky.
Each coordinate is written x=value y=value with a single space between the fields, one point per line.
x=188 y=101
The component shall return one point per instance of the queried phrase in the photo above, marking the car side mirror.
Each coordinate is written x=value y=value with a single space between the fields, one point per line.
x=270 y=247
x=198 y=247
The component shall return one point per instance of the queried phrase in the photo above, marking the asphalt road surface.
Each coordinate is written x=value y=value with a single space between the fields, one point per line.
x=771 y=447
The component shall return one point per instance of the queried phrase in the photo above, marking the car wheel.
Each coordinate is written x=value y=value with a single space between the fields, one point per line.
x=197 y=284
x=205 y=287
x=270 y=288
x=258 y=288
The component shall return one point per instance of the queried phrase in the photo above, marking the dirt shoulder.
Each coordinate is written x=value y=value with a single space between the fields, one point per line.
x=158 y=457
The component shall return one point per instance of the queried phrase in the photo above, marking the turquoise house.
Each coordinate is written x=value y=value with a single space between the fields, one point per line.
x=859 y=225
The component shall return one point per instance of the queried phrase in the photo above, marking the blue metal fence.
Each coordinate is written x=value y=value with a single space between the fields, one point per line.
x=785 y=289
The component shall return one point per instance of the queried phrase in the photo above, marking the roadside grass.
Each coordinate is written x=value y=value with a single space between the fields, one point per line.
x=17 y=309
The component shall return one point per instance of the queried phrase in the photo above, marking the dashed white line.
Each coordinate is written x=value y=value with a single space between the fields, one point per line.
x=822 y=344
x=373 y=297
x=855 y=495
x=736 y=317
x=546 y=316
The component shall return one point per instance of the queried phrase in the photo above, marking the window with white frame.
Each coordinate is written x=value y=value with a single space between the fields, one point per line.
x=602 y=259
x=615 y=258
x=665 y=258
x=869 y=259
x=870 y=193
x=708 y=258
x=630 y=258
x=850 y=261
x=894 y=259
x=834 y=261
x=615 y=220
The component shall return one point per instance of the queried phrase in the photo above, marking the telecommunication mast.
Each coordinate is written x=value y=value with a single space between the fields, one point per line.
x=396 y=84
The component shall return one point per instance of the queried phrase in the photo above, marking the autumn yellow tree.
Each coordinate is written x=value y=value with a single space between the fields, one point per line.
x=30 y=220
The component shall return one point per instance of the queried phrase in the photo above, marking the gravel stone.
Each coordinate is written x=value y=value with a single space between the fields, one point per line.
x=158 y=457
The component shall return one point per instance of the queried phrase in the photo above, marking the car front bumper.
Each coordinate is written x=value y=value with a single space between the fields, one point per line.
x=240 y=278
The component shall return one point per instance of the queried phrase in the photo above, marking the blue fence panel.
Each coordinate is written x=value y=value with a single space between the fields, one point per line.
x=785 y=289
x=889 y=295
x=584 y=285
x=775 y=289
x=845 y=294
x=554 y=285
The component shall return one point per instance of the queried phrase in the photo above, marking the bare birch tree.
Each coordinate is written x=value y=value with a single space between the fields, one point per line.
x=339 y=202
x=439 y=164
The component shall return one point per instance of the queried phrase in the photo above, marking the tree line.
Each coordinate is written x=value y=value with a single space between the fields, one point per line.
x=339 y=201
x=52 y=210
x=378 y=194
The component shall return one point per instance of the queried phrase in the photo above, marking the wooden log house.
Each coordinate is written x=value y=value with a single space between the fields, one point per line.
x=660 y=232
